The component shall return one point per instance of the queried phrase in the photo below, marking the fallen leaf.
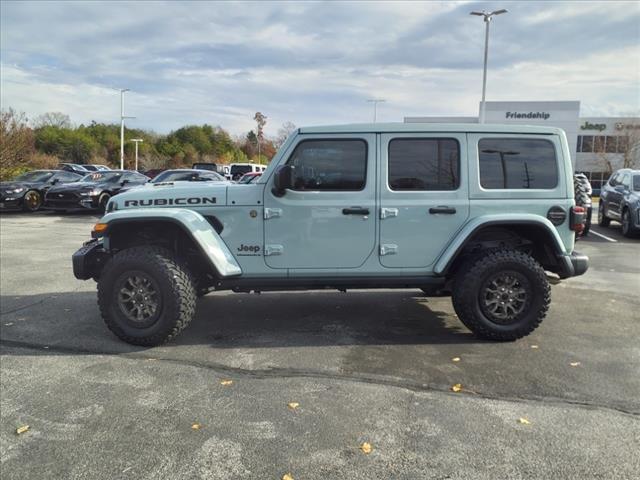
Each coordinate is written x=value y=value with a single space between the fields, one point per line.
x=455 y=359
x=226 y=382
x=574 y=364
x=524 y=421
x=457 y=387
x=366 y=448
x=293 y=405
x=196 y=426
x=22 y=429
x=287 y=476
x=534 y=346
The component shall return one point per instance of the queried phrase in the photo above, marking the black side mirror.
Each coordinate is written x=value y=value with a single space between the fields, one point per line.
x=124 y=182
x=54 y=181
x=283 y=179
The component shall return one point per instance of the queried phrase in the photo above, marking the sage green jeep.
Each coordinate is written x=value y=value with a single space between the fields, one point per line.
x=483 y=213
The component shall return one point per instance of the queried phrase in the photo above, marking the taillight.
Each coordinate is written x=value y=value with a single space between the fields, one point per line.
x=578 y=219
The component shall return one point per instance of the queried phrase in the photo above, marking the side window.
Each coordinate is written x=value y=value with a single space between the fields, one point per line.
x=626 y=181
x=65 y=177
x=520 y=163
x=424 y=164
x=329 y=165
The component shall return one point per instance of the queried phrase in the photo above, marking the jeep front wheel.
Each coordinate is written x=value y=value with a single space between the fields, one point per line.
x=146 y=296
x=502 y=295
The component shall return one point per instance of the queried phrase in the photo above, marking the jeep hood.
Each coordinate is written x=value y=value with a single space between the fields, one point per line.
x=174 y=194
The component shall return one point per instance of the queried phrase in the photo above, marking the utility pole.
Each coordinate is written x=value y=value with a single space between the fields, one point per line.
x=487 y=19
x=375 y=102
x=136 y=141
x=122 y=117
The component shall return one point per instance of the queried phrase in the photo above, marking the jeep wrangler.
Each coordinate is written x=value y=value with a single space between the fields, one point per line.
x=483 y=213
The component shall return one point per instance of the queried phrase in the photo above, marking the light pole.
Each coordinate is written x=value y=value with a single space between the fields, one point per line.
x=136 y=141
x=487 y=20
x=375 y=102
x=122 y=117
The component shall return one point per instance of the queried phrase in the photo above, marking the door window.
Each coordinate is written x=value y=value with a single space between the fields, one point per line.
x=517 y=163
x=335 y=165
x=424 y=164
x=626 y=181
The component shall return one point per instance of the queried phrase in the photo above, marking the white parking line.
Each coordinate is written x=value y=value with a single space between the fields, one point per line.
x=609 y=239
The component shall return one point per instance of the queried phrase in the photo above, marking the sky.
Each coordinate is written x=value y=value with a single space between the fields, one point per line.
x=311 y=63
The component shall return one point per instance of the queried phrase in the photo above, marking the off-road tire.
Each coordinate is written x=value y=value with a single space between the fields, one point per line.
x=102 y=202
x=31 y=208
x=469 y=285
x=176 y=289
x=603 y=220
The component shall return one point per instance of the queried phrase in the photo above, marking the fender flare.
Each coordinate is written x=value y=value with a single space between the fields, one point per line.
x=194 y=225
x=447 y=257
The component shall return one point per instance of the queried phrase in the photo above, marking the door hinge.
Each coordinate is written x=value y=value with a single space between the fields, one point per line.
x=388 y=249
x=270 y=250
x=272 y=213
x=388 y=212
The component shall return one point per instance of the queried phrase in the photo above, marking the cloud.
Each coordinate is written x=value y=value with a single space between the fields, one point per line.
x=310 y=62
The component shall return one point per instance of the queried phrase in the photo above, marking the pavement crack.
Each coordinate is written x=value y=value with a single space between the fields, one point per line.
x=281 y=372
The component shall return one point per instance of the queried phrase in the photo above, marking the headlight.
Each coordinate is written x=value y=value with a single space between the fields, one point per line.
x=17 y=190
x=91 y=193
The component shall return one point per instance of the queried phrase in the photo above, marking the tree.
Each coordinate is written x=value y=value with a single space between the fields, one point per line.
x=284 y=131
x=52 y=119
x=628 y=147
x=261 y=121
x=16 y=140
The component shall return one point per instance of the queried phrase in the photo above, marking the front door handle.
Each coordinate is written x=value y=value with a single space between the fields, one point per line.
x=355 y=211
x=442 y=209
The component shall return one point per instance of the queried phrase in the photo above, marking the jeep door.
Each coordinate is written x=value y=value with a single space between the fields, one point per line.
x=423 y=196
x=327 y=219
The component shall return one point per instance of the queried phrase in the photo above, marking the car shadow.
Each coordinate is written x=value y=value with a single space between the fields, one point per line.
x=71 y=321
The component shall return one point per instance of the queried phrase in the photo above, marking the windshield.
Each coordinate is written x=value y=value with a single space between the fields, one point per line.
x=636 y=183
x=35 y=177
x=240 y=169
x=102 y=177
x=186 y=177
x=248 y=178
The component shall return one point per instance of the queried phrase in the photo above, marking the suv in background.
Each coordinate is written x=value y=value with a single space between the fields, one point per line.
x=620 y=201
x=477 y=212
x=237 y=170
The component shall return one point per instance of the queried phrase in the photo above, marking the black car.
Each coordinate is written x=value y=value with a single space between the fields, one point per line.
x=93 y=191
x=27 y=191
x=620 y=201
x=74 y=168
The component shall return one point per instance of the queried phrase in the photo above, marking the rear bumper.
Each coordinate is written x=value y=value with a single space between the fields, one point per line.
x=574 y=264
x=89 y=260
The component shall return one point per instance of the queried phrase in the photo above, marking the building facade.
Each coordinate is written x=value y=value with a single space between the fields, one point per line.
x=599 y=145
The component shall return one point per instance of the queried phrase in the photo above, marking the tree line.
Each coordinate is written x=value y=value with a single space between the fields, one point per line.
x=49 y=139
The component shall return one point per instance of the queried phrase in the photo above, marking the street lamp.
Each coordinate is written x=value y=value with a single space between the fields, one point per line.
x=122 y=117
x=487 y=19
x=136 y=141
x=375 y=102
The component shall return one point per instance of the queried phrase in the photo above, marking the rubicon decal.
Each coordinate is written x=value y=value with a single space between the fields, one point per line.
x=171 y=201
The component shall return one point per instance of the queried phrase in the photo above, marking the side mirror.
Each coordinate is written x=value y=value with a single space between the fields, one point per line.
x=283 y=179
x=54 y=181
x=124 y=182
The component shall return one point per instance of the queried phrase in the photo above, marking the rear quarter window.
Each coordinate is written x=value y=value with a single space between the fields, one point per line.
x=517 y=163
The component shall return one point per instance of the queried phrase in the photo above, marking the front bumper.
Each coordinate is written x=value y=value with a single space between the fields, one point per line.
x=89 y=260
x=574 y=264
x=70 y=201
x=11 y=202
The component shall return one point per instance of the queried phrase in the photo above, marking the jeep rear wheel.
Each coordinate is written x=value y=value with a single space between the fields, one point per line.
x=502 y=295
x=146 y=296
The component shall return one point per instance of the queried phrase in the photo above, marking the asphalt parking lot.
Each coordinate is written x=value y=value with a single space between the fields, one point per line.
x=370 y=367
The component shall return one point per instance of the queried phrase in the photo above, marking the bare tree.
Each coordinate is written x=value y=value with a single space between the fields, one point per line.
x=284 y=131
x=16 y=140
x=52 y=119
x=628 y=146
x=261 y=121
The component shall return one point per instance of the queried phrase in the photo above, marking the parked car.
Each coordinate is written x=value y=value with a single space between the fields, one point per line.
x=249 y=177
x=188 y=175
x=91 y=192
x=27 y=191
x=620 y=201
x=96 y=168
x=73 y=167
x=433 y=207
x=236 y=170
x=582 y=192
x=205 y=166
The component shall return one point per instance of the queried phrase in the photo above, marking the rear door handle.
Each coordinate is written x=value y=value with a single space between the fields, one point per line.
x=442 y=209
x=355 y=211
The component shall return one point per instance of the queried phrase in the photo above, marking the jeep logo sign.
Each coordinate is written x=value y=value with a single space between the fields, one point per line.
x=593 y=126
x=170 y=201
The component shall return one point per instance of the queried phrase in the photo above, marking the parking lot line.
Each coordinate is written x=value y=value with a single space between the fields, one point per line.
x=609 y=239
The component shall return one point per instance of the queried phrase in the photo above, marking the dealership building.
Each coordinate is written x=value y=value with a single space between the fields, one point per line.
x=598 y=145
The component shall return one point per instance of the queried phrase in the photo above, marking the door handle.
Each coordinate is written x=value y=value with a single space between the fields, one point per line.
x=355 y=211
x=442 y=209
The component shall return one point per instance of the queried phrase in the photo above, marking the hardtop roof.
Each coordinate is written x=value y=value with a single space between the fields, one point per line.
x=431 y=127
